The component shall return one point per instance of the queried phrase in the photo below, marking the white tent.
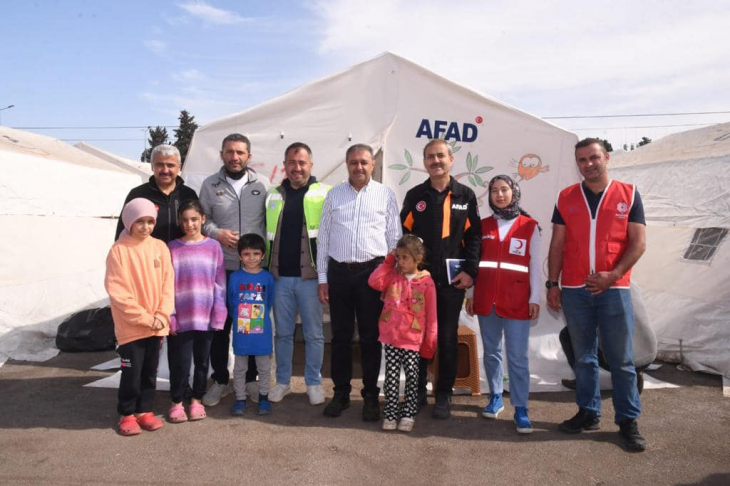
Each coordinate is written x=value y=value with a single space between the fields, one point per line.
x=396 y=105
x=144 y=168
x=684 y=181
x=57 y=205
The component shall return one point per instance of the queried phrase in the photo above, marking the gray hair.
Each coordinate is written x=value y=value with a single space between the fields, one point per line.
x=358 y=147
x=165 y=150
x=434 y=142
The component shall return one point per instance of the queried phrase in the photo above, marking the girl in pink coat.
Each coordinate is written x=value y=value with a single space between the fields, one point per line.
x=407 y=325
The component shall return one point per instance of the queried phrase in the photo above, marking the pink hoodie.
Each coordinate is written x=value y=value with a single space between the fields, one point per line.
x=408 y=320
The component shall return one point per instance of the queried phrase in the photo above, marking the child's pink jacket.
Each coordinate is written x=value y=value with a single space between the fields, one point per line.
x=408 y=320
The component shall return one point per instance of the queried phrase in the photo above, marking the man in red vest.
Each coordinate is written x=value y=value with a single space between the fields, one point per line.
x=599 y=233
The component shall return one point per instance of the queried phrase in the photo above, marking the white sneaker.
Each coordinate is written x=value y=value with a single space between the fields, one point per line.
x=279 y=392
x=406 y=424
x=316 y=394
x=252 y=391
x=389 y=424
x=215 y=393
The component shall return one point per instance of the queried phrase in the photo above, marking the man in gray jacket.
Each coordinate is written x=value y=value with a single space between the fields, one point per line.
x=234 y=203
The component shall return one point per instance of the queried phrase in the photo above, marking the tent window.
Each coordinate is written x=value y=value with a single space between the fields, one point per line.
x=704 y=244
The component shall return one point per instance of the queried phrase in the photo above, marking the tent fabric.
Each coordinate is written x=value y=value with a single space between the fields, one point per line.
x=396 y=106
x=58 y=207
x=685 y=184
x=143 y=167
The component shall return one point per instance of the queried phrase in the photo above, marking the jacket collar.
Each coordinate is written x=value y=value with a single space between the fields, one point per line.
x=178 y=182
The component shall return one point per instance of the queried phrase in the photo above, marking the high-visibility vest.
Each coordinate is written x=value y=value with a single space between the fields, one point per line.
x=595 y=244
x=503 y=281
x=313 y=202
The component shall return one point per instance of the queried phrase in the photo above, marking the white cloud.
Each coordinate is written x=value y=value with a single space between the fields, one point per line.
x=211 y=15
x=156 y=46
x=553 y=53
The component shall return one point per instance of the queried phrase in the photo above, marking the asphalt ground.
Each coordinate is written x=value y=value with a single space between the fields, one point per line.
x=55 y=431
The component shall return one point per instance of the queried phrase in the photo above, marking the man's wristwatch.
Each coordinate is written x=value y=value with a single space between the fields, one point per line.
x=549 y=284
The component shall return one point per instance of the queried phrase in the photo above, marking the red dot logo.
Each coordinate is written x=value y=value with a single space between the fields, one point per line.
x=421 y=206
x=479 y=119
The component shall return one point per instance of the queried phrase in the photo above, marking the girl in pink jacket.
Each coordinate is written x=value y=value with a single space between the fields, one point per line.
x=407 y=325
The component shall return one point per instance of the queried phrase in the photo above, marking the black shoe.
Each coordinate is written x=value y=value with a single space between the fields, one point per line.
x=422 y=400
x=442 y=408
x=370 y=408
x=339 y=403
x=568 y=383
x=640 y=381
x=583 y=420
x=633 y=440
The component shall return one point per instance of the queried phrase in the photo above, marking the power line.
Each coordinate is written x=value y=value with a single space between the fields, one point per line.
x=641 y=126
x=99 y=139
x=94 y=128
x=638 y=114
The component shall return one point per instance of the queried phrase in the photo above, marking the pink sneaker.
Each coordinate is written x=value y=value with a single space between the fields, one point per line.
x=149 y=422
x=197 y=411
x=176 y=414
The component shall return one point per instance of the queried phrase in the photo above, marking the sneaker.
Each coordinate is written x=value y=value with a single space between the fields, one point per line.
x=370 y=408
x=149 y=422
x=522 y=421
x=442 y=408
x=316 y=394
x=177 y=414
x=252 y=391
x=406 y=424
x=339 y=403
x=494 y=407
x=264 y=405
x=583 y=420
x=389 y=424
x=128 y=426
x=633 y=440
x=215 y=393
x=238 y=408
x=278 y=392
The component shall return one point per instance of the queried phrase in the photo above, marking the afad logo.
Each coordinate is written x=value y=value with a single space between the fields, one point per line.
x=445 y=130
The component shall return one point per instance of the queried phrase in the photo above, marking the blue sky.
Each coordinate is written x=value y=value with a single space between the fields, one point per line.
x=87 y=63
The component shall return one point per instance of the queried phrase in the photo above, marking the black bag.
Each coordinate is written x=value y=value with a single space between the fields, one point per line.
x=88 y=330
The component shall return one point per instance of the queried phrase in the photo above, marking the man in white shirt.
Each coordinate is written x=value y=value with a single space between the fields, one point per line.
x=360 y=225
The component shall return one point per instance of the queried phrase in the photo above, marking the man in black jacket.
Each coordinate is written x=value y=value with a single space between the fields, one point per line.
x=166 y=190
x=445 y=215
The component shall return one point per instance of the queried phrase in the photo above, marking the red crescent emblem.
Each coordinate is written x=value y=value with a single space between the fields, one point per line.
x=421 y=206
x=520 y=244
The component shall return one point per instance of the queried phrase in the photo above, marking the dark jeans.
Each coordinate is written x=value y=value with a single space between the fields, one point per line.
x=220 y=348
x=567 y=346
x=181 y=350
x=351 y=297
x=449 y=301
x=139 y=360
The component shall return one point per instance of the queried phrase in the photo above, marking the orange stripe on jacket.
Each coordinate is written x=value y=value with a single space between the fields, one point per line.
x=446 y=226
x=408 y=223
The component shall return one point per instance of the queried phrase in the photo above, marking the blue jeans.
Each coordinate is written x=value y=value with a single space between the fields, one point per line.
x=516 y=338
x=292 y=294
x=611 y=314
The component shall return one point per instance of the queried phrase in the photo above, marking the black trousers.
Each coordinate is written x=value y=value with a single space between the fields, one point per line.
x=182 y=349
x=352 y=298
x=449 y=301
x=139 y=360
x=220 y=348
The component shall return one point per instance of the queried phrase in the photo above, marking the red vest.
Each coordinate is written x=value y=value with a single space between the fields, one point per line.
x=595 y=245
x=503 y=280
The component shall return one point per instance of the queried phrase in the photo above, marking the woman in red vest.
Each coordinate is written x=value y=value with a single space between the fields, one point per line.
x=506 y=296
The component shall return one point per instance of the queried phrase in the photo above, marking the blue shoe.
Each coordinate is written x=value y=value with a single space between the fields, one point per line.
x=264 y=405
x=238 y=408
x=522 y=421
x=494 y=407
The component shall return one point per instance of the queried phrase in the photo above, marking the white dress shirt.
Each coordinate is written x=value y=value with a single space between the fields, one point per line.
x=357 y=226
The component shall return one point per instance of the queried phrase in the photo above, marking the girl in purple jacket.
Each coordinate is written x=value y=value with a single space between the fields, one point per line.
x=407 y=326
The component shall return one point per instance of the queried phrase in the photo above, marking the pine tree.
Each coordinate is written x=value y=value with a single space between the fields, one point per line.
x=158 y=136
x=184 y=133
x=644 y=141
